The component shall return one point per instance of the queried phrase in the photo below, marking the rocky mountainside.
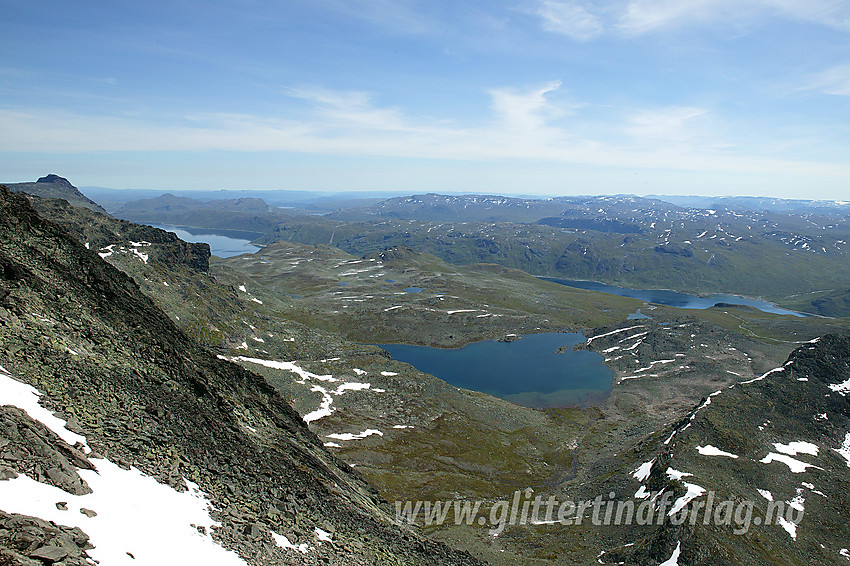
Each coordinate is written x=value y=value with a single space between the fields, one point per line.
x=54 y=186
x=102 y=394
x=107 y=234
x=778 y=447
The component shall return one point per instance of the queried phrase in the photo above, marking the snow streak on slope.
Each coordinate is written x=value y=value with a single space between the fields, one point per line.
x=135 y=519
x=326 y=407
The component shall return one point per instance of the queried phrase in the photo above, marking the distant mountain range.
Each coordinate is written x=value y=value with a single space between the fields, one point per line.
x=621 y=240
x=762 y=204
x=244 y=213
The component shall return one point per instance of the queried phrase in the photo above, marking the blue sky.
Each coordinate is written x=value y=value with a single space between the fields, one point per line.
x=527 y=96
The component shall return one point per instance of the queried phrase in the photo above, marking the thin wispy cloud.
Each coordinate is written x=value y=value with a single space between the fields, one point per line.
x=831 y=13
x=349 y=124
x=346 y=109
x=676 y=125
x=643 y=16
x=527 y=110
x=637 y=17
x=569 y=18
x=835 y=81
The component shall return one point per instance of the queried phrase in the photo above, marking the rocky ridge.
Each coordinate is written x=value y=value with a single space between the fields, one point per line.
x=54 y=186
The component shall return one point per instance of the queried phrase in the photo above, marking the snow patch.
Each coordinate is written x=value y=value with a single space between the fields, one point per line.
x=325 y=407
x=323 y=535
x=140 y=255
x=286 y=366
x=106 y=252
x=591 y=339
x=283 y=542
x=351 y=386
x=781 y=368
x=358 y=436
x=794 y=448
x=798 y=501
x=128 y=504
x=676 y=474
x=674 y=558
x=693 y=492
x=844 y=451
x=796 y=466
x=129 y=516
x=841 y=388
x=709 y=450
x=642 y=472
x=790 y=528
x=24 y=396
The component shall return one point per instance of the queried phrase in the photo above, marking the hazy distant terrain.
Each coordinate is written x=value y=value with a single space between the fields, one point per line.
x=744 y=246
x=628 y=241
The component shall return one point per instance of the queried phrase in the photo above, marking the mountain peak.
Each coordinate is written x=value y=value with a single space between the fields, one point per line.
x=52 y=178
x=56 y=187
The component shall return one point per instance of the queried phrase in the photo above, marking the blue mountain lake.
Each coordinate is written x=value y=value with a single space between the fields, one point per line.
x=528 y=371
x=223 y=243
x=673 y=298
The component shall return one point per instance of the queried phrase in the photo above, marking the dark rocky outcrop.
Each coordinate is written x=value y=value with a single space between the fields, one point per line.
x=99 y=231
x=597 y=224
x=674 y=250
x=28 y=541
